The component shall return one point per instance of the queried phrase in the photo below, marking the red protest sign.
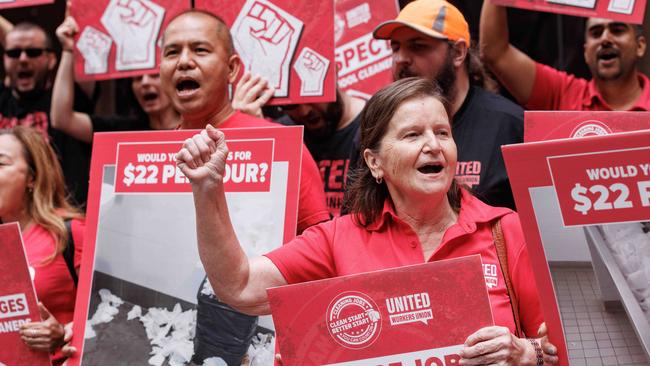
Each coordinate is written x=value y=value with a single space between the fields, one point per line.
x=17 y=301
x=142 y=236
x=120 y=38
x=143 y=168
x=363 y=63
x=543 y=176
x=629 y=11
x=413 y=315
x=550 y=125
x=289 y=43
x=602 y=187
x=6 y=4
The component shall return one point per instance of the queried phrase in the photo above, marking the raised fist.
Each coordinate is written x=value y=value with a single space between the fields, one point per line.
x=66 y=32
x=134 y=26
x=94 y=47
x=266 y=38
x=203 y=157
x=311 y=68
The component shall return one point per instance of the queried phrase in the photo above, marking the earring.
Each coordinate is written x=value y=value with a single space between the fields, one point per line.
x=379 y=180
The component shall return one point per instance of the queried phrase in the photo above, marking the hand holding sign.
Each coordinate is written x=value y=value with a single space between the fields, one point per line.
x=311 y=68
x=134 y=25
x=494 y=345
x=203 y=157
x=266 y=38
x=44 y=336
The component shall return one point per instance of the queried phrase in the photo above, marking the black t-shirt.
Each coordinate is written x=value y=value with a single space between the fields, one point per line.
x=119 y=123
x=34 y=111
x=332 y=155
x=484 y=123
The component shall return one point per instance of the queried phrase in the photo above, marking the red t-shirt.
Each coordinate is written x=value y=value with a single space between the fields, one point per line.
x=53 y=283
x=340 y=247
x=557 y=90
x=311 y=202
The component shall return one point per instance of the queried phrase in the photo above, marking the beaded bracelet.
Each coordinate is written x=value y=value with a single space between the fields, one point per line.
x=538 y=351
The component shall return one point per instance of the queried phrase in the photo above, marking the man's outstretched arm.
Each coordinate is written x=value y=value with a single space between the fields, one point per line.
x=512 y=67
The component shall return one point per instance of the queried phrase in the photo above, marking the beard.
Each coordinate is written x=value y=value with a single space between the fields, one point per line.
x=446 y=77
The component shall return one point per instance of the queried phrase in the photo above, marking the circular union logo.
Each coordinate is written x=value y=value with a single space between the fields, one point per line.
x=353 y=320
x=590 y=128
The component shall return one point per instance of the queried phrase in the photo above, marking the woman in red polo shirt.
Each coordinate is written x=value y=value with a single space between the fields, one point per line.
x=32 y=192
x=406 y=209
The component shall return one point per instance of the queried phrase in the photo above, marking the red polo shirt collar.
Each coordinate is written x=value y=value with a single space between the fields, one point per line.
x=593 y=95
x=472 y=212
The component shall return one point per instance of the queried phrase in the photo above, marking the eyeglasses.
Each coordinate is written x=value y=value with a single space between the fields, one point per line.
x=31 y=52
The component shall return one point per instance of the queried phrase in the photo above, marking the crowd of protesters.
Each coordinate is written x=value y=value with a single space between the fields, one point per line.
x=40 y=102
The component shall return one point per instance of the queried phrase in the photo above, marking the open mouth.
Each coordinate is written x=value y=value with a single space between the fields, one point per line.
x=607 y=54
x=187 y=86
x=148 y=97
x=433 y=168
x=25 y=74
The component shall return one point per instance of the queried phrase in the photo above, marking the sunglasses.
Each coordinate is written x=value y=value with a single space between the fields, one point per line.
x=31 y=52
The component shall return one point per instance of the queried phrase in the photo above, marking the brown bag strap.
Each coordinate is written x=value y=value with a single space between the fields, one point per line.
x=502 y=254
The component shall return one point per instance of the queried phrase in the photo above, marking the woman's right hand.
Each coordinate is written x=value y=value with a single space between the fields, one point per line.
x=203 y=157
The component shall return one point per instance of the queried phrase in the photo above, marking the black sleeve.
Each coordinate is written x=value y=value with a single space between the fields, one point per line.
x=82 y=102
x=118 y=123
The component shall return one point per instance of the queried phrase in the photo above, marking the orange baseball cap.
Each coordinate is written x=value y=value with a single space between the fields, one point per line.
x=435 y=18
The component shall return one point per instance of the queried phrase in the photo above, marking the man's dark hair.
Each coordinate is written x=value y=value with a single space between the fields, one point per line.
x=478 y=75
x=28 y=26
x=222 y=29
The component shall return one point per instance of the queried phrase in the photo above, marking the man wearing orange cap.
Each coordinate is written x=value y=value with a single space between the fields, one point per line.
x=430 y=39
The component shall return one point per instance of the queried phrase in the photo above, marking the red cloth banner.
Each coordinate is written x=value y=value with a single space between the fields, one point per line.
x=287 y=42
x=120 y=38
